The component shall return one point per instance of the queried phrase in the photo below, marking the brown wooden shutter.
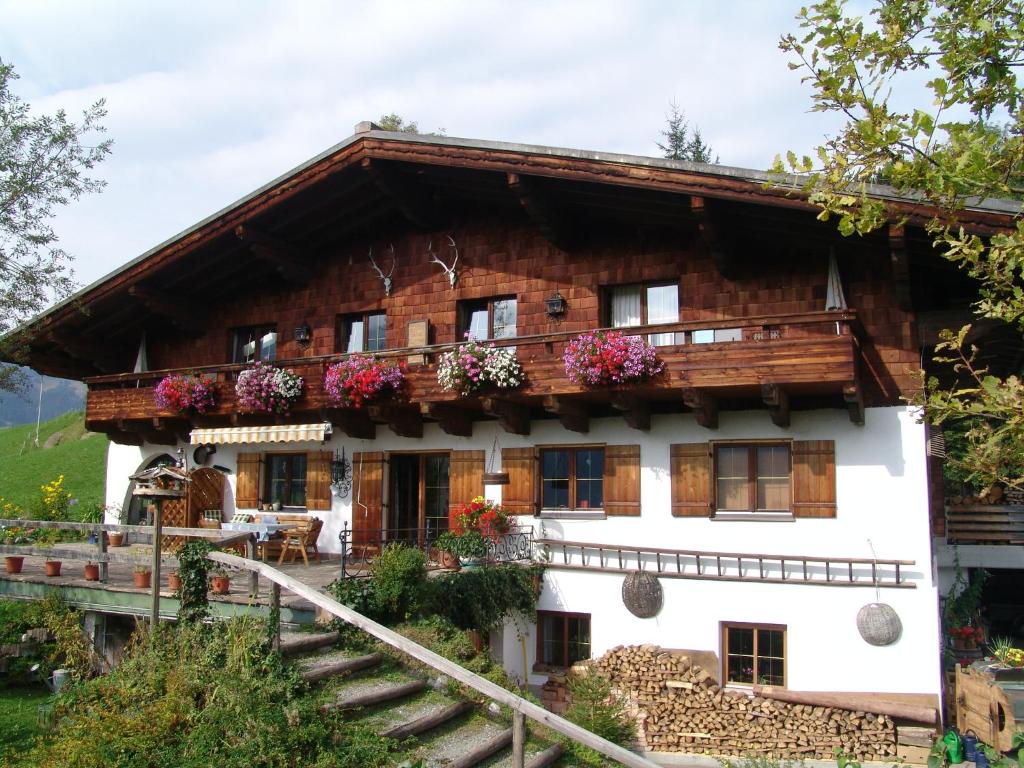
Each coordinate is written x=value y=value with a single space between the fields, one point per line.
x=691 y=480
x=622 y=480
x=519 y=497
x=367 y=496
x=465 y=480
x=814 y=478
x=247 y=487
x=318 y=480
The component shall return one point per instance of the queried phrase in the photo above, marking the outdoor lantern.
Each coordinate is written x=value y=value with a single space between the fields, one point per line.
x=556 y=304
x=341 y=474
x=303 y=333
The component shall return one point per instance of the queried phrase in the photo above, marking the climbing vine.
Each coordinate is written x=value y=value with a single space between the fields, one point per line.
x=193 y=567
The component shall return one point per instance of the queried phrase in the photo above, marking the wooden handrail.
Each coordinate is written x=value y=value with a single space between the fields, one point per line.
x=435 y=661
x=195 y=533
x=847 y=317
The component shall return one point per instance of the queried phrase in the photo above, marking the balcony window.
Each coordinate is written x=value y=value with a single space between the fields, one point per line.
x=632 y=305
x=364 y=332
x=254 y=343
x=487 y=318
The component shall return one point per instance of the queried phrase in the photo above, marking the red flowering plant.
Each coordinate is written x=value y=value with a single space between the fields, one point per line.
x=602 y=358
x=185 y=393
x=362 y=379
x=485 y=517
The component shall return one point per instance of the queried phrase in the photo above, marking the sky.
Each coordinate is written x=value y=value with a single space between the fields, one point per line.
x=208 y=101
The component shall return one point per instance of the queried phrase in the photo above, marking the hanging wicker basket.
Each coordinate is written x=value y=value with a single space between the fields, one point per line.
x=641 y=594
x=879 y=624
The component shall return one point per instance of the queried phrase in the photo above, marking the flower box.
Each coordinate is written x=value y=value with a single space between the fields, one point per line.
x=362 y=379
x=602 y=358
x=475 y=366
x=266 y=389
x=185 y=394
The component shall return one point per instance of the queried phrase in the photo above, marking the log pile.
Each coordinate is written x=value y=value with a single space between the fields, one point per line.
x=681 y=708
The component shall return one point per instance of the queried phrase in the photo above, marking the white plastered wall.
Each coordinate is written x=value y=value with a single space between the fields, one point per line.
x=881 y=487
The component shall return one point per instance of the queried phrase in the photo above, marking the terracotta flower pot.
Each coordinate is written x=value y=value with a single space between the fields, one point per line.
x=53 y=567
x=450 y=561
x=174 y=581
x=92 y=571
x=115 y=538
x=13 y=563
x=221 y=585
x=142 y=579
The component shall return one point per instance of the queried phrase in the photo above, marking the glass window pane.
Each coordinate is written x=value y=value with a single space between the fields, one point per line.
x=298 y=480
x=355 y=337
x=625 y=306
x=555 y=479
x=773 y=478
x=552 y=634
x=277 y=472
x=435 y=493
x=741 y=640
x=662 y=307
x=579 y=639
x=590 y=463
x=377 y=332
x=702 y=337
x=504 y=319
x=740 y=669
x=554 y=464
x=728 y=334
x=733 y=492
x=555 y=494
x=770 y=643
x=478 y=324
x=268 y=345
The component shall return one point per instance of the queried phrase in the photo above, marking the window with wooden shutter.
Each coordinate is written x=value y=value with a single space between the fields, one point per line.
x=247 y=485
x=367 y=496
x=622 y=480
x=691 y=479
x=465 y=480
x=814 y=478
x=519 y=497
x=318 y=481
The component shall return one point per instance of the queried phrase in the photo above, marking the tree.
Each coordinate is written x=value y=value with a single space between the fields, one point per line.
x=44 y=162
x=680 y=144
x=954 y=63
x=395 y=122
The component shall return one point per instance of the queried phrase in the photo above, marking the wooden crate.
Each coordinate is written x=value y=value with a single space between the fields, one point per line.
x=990 y=703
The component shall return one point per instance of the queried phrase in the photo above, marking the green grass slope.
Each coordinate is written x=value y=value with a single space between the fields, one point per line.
x=78 y=455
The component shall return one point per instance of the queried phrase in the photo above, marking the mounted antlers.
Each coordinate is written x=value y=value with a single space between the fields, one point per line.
x=449 y=271
x=386 y=278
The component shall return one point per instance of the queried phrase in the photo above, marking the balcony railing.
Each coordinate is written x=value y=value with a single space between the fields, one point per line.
x=985 y=524
x=812 y=353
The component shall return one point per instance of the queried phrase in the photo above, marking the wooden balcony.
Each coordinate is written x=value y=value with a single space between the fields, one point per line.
x=774 y=362
x=985 y=524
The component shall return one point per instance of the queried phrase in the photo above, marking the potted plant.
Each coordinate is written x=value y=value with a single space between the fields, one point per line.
x=52 y=567
x=362 y=379
x=142 y=576
x=13 y=563
x=469 y=546
x=601 y=358
x=92 y=571
x=266 y=389
x=15 y=535
x=115 y=538
x=446 y=545
x=219 y=581
x=475 y=366
x=185 y=394
x=174 y=581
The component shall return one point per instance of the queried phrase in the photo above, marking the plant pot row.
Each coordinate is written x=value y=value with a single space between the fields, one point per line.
x=220 y=584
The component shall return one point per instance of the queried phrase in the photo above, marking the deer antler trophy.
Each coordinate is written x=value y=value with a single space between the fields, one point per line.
x=449 y=271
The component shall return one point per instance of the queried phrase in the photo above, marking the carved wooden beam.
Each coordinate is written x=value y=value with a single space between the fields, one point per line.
x=704 y=406
x=714 y=240
x=635 y=411
x=411 y=202
x=183 y=314
x=280 y=254
x=513 y=417
x=124 y=438
x=777 y=400
x=543 y=211
x=404 y=421
x=452 y=419
x=572 y=414
x=854 y=397
x=900 y=265
x=355 y=424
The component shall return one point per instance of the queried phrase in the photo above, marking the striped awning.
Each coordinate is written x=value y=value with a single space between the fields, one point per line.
x=283 y=433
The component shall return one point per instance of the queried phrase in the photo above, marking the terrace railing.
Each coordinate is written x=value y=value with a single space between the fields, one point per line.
x=998 y=524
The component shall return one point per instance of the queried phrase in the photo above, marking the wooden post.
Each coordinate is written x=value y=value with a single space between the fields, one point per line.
x=254 y=578
x=275 y=608
x=518 y=740
x=154 y=613
x=101 y=550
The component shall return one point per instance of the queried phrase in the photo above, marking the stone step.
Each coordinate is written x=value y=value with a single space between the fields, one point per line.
x=427 y=721
x=376 y=695
x=315 y=669
x=294 y=643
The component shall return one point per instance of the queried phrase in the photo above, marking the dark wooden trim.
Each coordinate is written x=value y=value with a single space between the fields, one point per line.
x=572 y=414
x=513 y=417
x=543 y=211
x=185 y=315
x=777 y=400
x=404 y=192
x=635 y=410
x=404 y=421
x=704 y=406
x=452 y=419
x=277 y=252
x=853 y=394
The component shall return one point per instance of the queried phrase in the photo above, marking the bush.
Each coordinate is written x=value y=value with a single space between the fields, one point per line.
x=395 y=590
x=481 y=598
x=596 y=709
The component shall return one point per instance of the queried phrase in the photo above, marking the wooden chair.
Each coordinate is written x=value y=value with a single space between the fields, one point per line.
x=300 y=539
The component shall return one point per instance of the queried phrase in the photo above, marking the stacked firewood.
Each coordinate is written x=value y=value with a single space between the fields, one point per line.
x=681 y=708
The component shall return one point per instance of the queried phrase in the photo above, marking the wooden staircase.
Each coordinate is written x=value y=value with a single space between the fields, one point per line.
x=428 y=722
